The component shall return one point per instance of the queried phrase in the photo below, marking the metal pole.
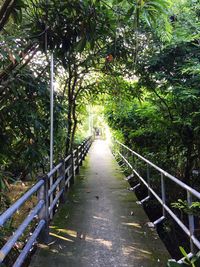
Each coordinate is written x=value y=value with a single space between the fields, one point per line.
x=44 y=212
x=51 y=111
x=148 y=179
x=163 y=192
x=191 y=222
x=51 y=125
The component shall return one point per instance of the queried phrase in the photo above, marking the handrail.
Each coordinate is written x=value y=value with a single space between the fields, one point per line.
x=173 y=178
x=62 y=176
x=10 y=211
x=190 y=232
x=53 y=171
x=10 y=243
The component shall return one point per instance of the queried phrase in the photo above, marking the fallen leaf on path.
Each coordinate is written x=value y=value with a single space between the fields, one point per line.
x=150 y=225
x=80 y=235
x=75 y=201
x=55 y=250
x=51 y=243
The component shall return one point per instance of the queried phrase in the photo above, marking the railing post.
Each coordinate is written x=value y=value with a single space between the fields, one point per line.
x=71 y=162
x=163 y=192
x=81 y=155
x=135 y=162
x=77 y=160
x=67 y=166
x=86 y=147
x=44 y=213
x=51 y=181
x=191 y=222
x=148 y=179
x=62 y=183
x=83 y=150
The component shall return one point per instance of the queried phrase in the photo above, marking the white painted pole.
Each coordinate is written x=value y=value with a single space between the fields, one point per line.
x=51 y=111
x=51 y=125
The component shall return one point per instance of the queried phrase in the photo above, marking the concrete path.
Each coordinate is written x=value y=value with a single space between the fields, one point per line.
x=101 y=225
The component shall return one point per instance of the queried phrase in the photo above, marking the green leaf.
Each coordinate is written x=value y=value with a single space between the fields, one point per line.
x=184 y=252
x=172 y=263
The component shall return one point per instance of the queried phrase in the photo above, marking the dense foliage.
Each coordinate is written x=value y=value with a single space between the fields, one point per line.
x=89 y=39
x=162 y=122
x=139 y=59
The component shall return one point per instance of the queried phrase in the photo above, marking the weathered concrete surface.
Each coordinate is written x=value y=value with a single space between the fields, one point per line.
x=101 y=225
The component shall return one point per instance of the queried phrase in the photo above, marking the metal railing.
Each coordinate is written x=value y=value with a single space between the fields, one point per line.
x=50 y=190
x=125 y=152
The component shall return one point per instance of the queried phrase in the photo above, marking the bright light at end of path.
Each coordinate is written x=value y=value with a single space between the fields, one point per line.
x=100 y=147
x=108 y=135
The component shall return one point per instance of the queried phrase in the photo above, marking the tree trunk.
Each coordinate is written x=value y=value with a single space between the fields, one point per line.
x=74 y=124
x=71 y=107
x=69 y=125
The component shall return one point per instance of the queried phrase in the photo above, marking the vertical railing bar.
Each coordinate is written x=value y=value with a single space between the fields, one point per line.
x=72 y=168
x=51 y=122
x=133 y=160
x=82 y=151
x=81 y=154
x=62 y=183
x=77 y=160
x=148 y=179
x=44 y=213
x=163 y=192
x=67 y=167
x=191 y=221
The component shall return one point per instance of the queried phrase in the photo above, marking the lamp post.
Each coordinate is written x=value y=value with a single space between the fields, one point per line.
x=51 y=110
x=51 y=124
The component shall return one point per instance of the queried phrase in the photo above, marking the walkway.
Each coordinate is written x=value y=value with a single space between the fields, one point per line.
x=101 y=225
